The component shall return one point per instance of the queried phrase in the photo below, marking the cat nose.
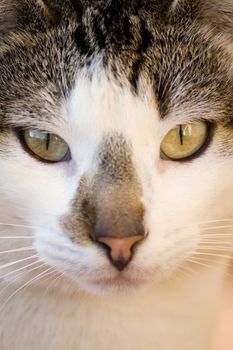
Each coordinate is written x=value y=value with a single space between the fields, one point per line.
x=120 y=250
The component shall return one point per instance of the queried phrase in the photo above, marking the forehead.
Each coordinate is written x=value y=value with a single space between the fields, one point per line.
x=128 y=43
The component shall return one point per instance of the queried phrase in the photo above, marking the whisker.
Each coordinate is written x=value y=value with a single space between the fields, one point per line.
x=219 y=242
x=216 y=227
x=17 y=261
x=215 y=220
x=180 y=274
x=199 y=260
x=216 y=235
x=18 y=225
x=210 y=238
x=60 y=275
x=194 y=261
x=226 y=249
x=36 y=268
x=16 y=237
x=25 y=249
x=20 y=274
x=212 y=234
x=206 y=258
x=189 y=271
x=45 y=273
x=20 y=269
x=216 y=242
x=228 y=257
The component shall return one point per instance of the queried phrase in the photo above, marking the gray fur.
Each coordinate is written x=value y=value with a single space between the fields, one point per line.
x=137 y=39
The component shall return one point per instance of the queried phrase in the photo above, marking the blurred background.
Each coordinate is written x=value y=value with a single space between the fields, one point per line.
x=224 y=334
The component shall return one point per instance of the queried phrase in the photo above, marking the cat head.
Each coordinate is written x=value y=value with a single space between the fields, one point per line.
x=116 y=135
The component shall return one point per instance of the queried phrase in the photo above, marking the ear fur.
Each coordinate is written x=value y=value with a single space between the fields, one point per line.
x=22 y=14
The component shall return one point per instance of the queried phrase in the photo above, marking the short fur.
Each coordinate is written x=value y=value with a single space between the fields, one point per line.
x=112 y=78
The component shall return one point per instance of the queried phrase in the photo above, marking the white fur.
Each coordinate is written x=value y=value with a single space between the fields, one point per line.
x=151 y=306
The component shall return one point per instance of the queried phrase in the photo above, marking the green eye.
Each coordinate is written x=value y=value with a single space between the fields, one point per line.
x=185 y=140
x=46 y=146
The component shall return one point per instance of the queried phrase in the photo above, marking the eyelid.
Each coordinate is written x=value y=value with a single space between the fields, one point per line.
x=172 y=125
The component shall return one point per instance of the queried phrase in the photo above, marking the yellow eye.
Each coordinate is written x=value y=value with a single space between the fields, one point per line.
x=184 y=140
x=46 y=146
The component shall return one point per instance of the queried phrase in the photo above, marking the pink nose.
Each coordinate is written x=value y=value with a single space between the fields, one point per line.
x=120 y=249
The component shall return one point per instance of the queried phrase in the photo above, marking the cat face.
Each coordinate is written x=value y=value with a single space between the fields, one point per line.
x=87 y=156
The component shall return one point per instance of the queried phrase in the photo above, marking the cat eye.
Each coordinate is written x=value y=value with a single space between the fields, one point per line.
x=45 y=146
x=184 y=141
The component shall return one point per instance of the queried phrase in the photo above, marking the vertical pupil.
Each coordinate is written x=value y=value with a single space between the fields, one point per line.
x=47 y=141
x=181 y=134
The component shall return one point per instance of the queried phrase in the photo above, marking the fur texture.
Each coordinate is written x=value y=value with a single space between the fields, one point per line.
x=112 y=78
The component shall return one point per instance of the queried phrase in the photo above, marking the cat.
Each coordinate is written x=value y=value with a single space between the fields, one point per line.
x=116 y=161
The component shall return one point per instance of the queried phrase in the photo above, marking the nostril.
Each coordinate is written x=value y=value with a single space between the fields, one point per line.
x=120 y=250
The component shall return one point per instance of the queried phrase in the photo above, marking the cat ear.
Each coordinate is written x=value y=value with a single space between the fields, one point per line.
x=19 y=14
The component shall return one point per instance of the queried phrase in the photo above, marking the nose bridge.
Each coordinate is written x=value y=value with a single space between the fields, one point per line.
x=118 y=193
x=119 y=212
x=115 y=161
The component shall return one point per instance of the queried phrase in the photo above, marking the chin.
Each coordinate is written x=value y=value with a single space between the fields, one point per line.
x=128 y=282
x=119 y=285
x=112 y=288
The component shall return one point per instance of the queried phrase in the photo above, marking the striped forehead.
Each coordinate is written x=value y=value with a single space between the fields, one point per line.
x=101 y=79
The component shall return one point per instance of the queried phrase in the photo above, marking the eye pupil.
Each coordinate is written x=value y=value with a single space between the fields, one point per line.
x=181 y=135
x=48 y=141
